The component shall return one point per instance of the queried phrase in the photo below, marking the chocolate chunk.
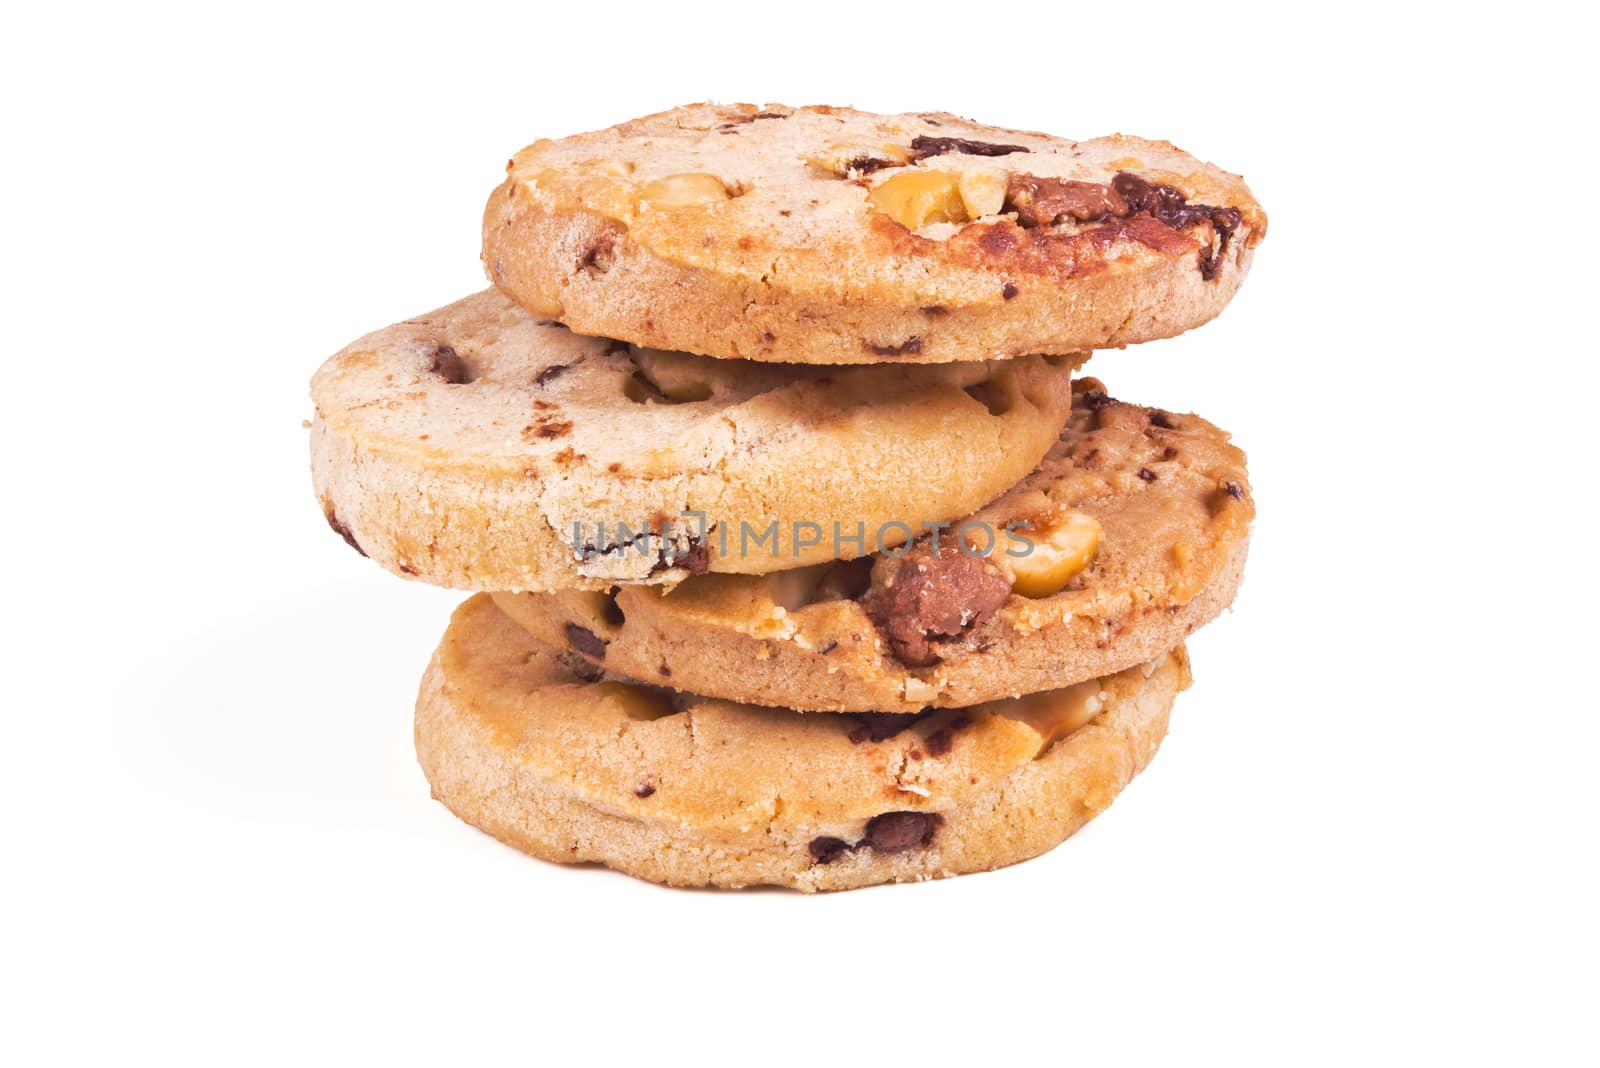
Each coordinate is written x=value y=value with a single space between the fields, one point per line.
x=877 y=726
x=550 y=374
x=923 y=146
x=586 y=641
x=939 y=742
x=1147 y=475
x=340 y=529
x=1171 y=208
x=611 y=611
x=1162 y=419
x=827 y=850
x=1008 y=291
x=644 y=791
x=896 y=832
x=912 y=344
x=1047 y=201
x=697 y=561
x=448 y=365
x=921 y=599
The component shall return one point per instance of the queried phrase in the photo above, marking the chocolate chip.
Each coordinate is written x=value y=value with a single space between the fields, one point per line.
x=923 y=146
x=586 y=641
x=827 y=850
x=450 y=366
x=1162 y=419
x=665 y=671
x=830 y=647
x=912 y=345
x=644 y=791
x=1008 y=291
x=696 y=559
x=1235 y=491
x=1094 y=401
x=862 y=165
x=600 y=255
x=878 y=726
x=939 y=742
x=339 y=528
x=896 y=832
x=1146 y=474
x=550 y=374
x=611 y=611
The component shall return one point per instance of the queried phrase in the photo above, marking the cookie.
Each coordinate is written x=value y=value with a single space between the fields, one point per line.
x=539 y=749
x=827 y=235
x=479 y=447
x=1149 y=512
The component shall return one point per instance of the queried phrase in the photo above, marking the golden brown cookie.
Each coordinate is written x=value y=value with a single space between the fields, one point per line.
x=480 y=447
x=1141 y=521
x=833 y=236
x=537 y=748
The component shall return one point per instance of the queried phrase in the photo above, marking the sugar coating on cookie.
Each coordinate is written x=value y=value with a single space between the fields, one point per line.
x=834 y=236
x=481 y=447
x=1160 y=500
x=540 y=749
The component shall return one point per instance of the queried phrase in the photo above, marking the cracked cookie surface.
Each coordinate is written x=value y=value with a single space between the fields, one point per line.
x=828 y=235
x=1167 y=494
x=538 y=748
x=480 y=447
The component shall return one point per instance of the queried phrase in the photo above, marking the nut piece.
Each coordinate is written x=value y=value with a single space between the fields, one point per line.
x=678 y=377
x=1061 y=548
x=544 y=305
x=1054 y=713
x=684 y=191
x=916 y=198
x=638 y=702
x=607 y=168
x=983 y=194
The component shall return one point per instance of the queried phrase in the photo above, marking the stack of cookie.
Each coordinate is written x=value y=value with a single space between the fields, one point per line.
x=802 y=559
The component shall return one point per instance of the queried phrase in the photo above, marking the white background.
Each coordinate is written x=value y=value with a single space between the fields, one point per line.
x=1370 y=835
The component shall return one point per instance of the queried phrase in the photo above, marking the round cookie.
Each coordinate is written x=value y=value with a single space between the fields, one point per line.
x=827 y=235
x=534 y=746
x=1170 y=497
x=478 y=447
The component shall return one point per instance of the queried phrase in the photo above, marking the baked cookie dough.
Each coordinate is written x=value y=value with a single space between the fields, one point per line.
x=827 y=235
x=538 y=748
x=480 y=447
x=1141 y=521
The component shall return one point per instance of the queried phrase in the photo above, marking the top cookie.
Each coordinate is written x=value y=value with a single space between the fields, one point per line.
x=832 y=236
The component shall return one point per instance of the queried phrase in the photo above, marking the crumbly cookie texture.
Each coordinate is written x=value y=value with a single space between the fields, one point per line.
x=1155 y=508
x=827 y=235
x=480 y=447
x=536 y=747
